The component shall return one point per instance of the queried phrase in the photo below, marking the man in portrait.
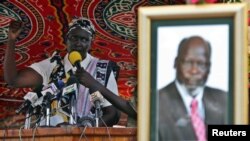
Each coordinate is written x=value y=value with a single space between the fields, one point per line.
x=187 y=105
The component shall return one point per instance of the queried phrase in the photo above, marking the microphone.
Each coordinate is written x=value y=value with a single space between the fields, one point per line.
x=42 y=103
x=48 y=90
x=49 y=93
x=54 y=89
x=30 y=98
x=47 y=98
x=38 y=106
x=69 y=95
x=97 y=99
x=67 y=92
x=75 y=59
x=71 y=87
x=60 y=85
x=47 y=101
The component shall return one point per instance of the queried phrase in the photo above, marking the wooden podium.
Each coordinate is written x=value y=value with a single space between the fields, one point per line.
x=70 y=134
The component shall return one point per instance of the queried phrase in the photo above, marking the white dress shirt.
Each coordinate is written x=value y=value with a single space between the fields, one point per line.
x=187 y=98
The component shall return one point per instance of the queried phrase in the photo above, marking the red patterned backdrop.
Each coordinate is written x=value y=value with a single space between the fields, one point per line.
x=45 y=25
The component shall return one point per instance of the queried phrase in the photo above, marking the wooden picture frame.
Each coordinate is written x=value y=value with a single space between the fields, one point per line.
x=181 y=21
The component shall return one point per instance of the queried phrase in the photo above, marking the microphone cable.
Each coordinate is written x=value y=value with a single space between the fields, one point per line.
x=4 y=133
x=20 y=130
x=83 y=134
x=19 y=133
x=35 y=128
x=36 y=125
x=37 y=121
x=60 y=109
x=33 y=114
x=34 y=132
x=106 y=128
x=21 y=119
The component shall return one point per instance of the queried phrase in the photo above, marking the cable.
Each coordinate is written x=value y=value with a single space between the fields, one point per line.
x=34 y=132
x=34 y=129
x=31 y=116
x=20 y=135
x=106 y=128
x=60 y=109
x=36 y=121
x=83 y=134
x=4 y=134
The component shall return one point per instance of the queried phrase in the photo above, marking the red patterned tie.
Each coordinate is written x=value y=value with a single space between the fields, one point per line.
x=198 y=123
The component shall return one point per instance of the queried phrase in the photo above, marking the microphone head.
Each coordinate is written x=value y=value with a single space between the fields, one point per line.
x=60 y=84
x=74 y=56
x=38 y=90
x=48 y=96
x=49 y=89
x=97 y=99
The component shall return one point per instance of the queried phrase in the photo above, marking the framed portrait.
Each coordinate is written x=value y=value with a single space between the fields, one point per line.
x=161 y=31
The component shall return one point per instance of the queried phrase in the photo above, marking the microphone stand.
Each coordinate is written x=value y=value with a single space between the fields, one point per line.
x=48 y=115
x=48 y=107
x=73 y=84
x=98 y=112
x=28 y=118
x=73 y=116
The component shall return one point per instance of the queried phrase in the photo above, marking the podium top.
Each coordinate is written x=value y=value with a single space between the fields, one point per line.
x=70 y=133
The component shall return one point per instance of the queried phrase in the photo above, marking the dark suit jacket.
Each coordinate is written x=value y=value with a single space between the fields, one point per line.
x=174 y=122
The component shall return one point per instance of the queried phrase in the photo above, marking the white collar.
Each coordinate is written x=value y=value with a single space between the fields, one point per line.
x=187 y=98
